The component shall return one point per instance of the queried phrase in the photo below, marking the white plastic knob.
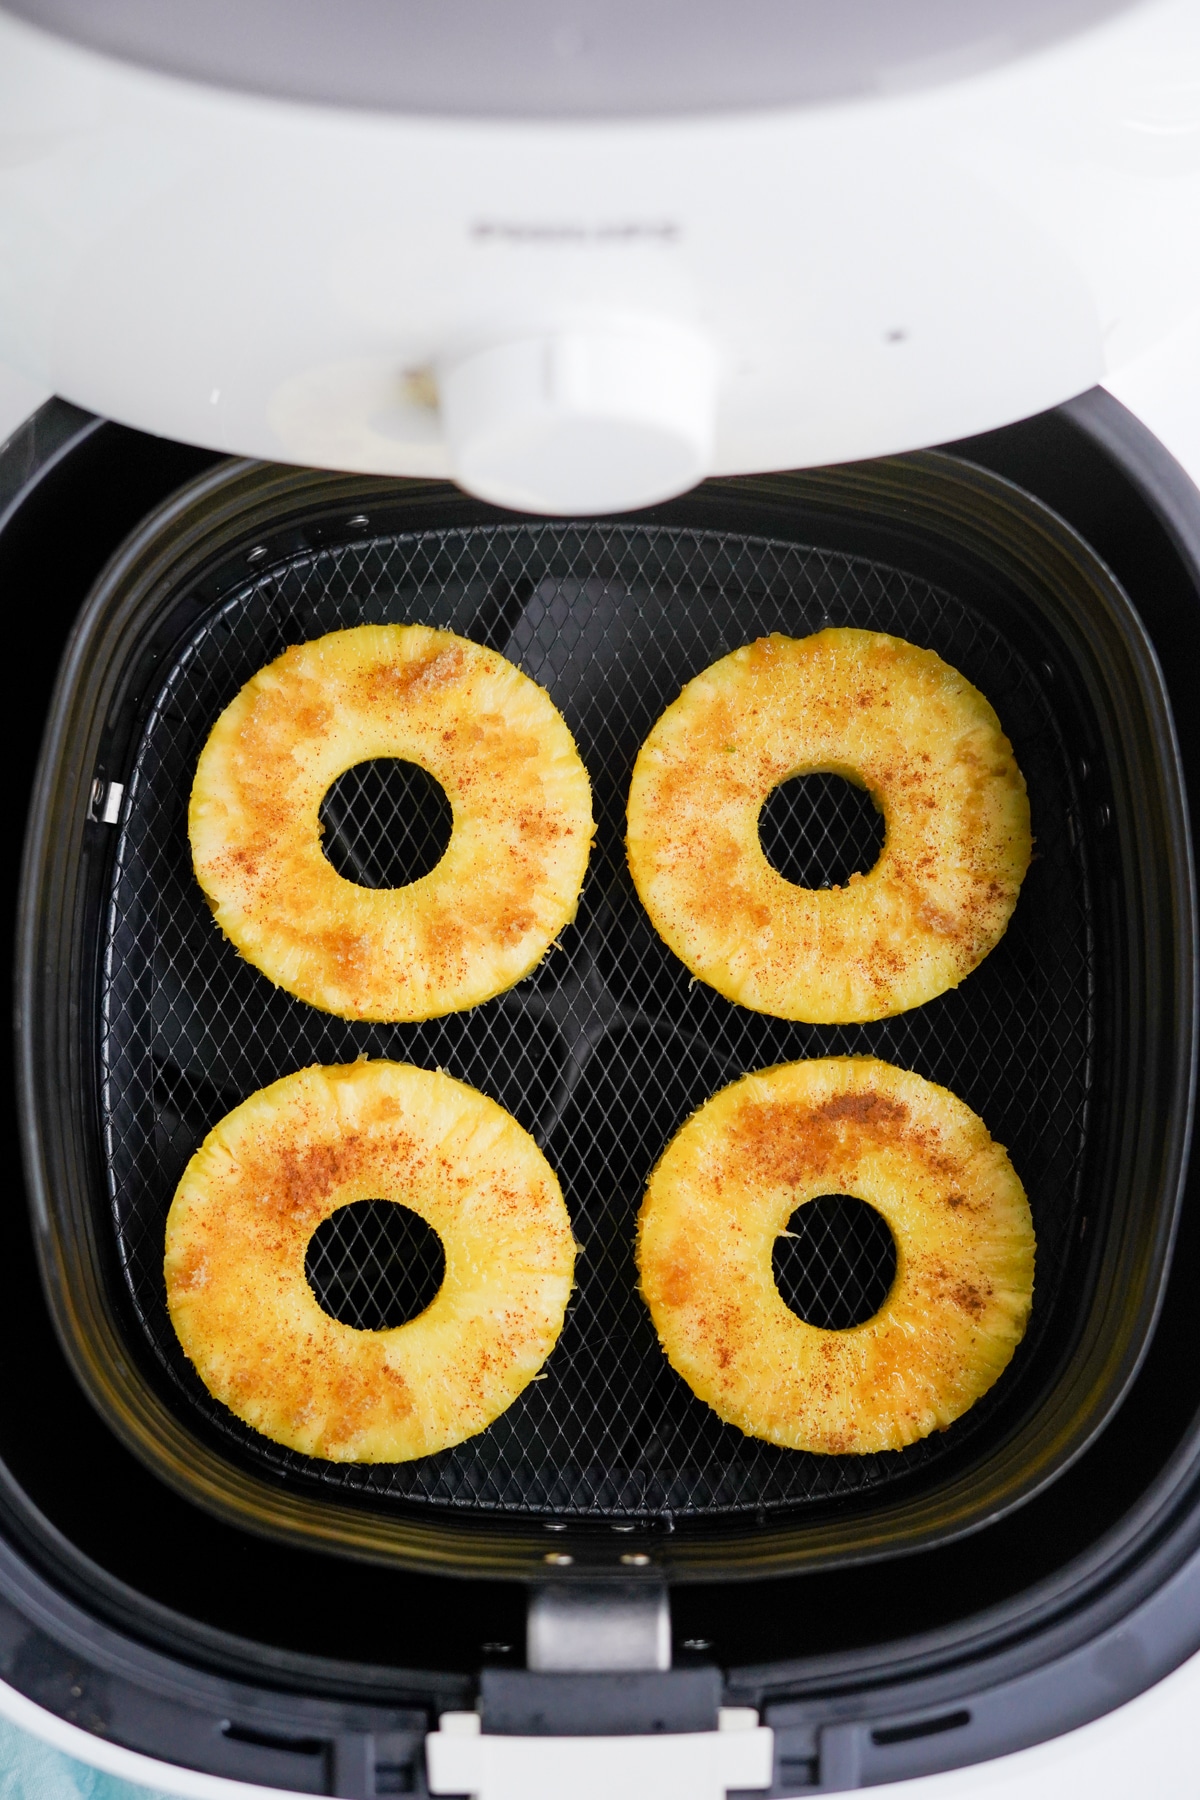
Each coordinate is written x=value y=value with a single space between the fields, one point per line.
x=582 y=421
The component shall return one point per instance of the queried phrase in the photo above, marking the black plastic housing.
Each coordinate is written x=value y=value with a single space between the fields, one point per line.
x=1119 y=1031
x=156 y=1624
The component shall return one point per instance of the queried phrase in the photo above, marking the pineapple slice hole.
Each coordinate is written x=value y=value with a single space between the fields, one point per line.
x=385 y=823
x=818 y=830
x=375 y=1264
x=835 y=1264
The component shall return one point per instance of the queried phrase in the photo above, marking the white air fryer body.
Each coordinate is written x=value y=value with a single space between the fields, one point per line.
x=577 y=313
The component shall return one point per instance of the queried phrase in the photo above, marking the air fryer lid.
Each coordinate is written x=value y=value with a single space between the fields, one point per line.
x=1067 y=1040
x=623 y=58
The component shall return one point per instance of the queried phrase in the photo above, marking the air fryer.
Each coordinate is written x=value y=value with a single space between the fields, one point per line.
x=610 y=348
x=171 y=1585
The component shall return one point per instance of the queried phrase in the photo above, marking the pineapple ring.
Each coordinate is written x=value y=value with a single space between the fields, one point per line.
x=285 y=1159
x=509 y=880
x=887 y=716
x=727 y=1185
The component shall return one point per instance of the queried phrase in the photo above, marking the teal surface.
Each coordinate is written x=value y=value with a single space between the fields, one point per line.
x=31 y=1770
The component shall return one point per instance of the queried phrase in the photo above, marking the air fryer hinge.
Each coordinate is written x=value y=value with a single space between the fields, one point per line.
x=529 y=1703
x=366 y=1765
x=576 y=1627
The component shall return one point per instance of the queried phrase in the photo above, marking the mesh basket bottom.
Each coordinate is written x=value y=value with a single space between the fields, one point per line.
x=605 y=1049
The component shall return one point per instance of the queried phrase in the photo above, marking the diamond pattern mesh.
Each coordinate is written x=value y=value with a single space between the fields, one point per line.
x=385 y=823
x=819 y=830
x=605 y=1049
x=836 y=1262
x=375 y=1264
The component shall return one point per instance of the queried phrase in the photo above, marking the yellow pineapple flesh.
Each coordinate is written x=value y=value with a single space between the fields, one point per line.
x=509 y=880
x=280 y=1164
x=893 y=719
x=726 y=1187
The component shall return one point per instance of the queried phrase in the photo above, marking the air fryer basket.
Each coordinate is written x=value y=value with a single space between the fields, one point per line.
x=607 y=1048
x=1072 y=1040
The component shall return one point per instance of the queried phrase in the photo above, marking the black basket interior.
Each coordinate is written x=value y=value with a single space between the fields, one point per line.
x=608 y=1046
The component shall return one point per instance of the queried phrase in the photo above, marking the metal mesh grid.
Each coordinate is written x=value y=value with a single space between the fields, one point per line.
x=609 y=1044
x=375 y=1264
x=835 y=1262
x=386 y=822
